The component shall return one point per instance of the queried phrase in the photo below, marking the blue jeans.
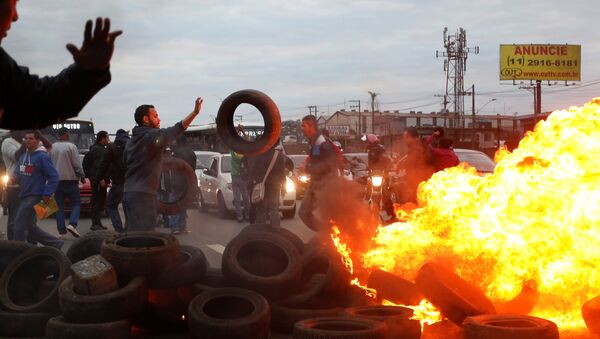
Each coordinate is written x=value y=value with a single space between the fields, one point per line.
x=115 y=197
x=177 y=222
x=269 y=205
x=26 y=228
x=240 y=192
x=140 y=210
x=69 y=189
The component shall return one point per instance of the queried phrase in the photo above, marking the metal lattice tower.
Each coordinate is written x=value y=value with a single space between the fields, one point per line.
x=455 y=65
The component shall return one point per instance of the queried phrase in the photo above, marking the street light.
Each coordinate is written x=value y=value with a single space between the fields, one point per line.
x=480 y=108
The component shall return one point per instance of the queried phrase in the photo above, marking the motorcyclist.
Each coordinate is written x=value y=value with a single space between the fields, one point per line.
x=377 y=157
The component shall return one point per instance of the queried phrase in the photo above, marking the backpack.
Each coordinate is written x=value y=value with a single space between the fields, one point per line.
x=87 y=164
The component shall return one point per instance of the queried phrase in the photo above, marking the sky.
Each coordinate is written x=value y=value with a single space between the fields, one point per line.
x=303 y=52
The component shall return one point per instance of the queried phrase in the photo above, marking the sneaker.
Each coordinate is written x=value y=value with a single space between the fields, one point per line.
x=97 y=228
x=62 y=236
x=73 y=231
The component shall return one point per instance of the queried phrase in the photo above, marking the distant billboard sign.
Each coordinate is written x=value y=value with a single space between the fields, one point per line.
x=339 y=130
x=540 y=62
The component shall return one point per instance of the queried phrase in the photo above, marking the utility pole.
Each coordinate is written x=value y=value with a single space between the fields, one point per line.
x=538 y=101
x=473 y=118
x=312 y=109
x=373 y=95
x=359 y=132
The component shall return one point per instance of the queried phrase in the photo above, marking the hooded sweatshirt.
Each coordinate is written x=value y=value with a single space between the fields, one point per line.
x=144 y=154
x=112 y=165
x=36 y=174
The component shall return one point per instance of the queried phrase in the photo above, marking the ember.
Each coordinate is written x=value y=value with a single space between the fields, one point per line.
x=534 y=222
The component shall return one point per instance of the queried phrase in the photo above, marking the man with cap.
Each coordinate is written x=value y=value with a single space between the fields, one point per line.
x=112 y=167
x=65 y=157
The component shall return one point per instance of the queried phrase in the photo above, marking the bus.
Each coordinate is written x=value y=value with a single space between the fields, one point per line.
x=81 y=133
x=205 y=137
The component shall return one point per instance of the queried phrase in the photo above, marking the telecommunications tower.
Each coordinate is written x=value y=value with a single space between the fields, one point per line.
x=455 y=64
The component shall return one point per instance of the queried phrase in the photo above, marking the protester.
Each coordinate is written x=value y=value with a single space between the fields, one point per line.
x=444 y=154
x=273 y=179
x=321 y=167
x=377 y=157
x=181 y=150
x=38 y=180
x=27 y=101
x=434 y=139
x=65 y=157
x=143 y=156
x=91 y=165
x=11 y=150
x=112 y=167
x=417 y=164
x=239 y=187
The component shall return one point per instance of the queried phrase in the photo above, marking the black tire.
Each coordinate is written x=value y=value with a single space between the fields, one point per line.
x=324 y=280
x=505 y=326
x=191 y=270
x=9 y=250
x=339 y=327
x=189 y=196
x=393 y=288
x=121 y=304
x=523 y=303
x=59 y=328
x=211 y=280
x=221 y=207
x=269 y=111
x=283 y=318
x=202 y=206
x=280 y=231
x=20 y=282
x=89 y=244
x=24 y=324
x=262 y=262
x=289 y=214
x=229 y=313
x=397 y=318
x=453 y=296
x=147 y=254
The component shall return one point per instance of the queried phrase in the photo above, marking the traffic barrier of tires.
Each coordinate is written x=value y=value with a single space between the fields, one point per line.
x=229 y=313
x=190 y=270
x=453 y=296
x=340 y=327
x=88 y=244
x=281 y=231
x=227 y=130
x=24 y=324
x=283 y=317
x=523 y=303
x=20 y=282
x=147 y=254
x=262 y=262
x=212 y=279
x=393 y=288
x=9 y=250
x=121 y=304
x=186 y=197
x=59 y=328
x=165 y=311
x=591 y=314
x=505 y=326
x=398 y=319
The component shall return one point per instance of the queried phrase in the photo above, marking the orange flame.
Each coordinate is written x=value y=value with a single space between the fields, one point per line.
x=536 y=218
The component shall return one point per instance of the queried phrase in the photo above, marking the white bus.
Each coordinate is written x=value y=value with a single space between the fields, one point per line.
x=205 y=137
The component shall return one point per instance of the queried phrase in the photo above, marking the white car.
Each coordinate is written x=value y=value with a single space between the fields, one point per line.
x=215 y=188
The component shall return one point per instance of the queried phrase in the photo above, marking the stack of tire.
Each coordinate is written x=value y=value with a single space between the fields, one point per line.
x=30 y=277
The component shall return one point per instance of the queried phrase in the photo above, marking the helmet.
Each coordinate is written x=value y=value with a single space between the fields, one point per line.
x=370 y=138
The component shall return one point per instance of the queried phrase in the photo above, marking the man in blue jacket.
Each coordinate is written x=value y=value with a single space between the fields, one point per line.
x=28 y=101
x=38 y=180
x=143 y=156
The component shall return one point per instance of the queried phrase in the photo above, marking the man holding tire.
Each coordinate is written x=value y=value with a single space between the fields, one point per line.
x=143 y=156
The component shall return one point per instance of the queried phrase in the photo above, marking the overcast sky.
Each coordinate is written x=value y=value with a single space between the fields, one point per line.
x=303 y=52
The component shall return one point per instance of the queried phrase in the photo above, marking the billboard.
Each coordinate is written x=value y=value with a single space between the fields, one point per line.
x=339 y=130
x=540 y=62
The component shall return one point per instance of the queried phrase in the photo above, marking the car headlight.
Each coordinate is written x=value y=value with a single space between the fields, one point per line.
x=5 y=179
x=376 y=180
x=304 y=178
x=289 y=185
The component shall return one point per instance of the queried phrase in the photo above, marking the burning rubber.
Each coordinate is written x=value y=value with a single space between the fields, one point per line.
x=268 y=110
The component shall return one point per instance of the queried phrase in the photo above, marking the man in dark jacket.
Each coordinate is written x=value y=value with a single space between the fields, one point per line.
x=26 y=101
x=321 y=167
x=97 y=179
x=143 y=156
x=258 y=166
x=112 y=167
x=181 y=150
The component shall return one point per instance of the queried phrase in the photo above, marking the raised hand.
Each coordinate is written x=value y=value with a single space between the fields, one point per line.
x=97 y=48
x=198 y=105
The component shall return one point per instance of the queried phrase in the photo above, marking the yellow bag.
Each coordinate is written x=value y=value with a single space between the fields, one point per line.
x=44 y=210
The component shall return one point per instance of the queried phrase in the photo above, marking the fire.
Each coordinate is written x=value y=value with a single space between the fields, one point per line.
x=535 y=219
x=425 y=312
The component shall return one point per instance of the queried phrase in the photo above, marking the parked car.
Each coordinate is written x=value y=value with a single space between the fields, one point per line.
x=477 y=159
x=215 y=188
x=203 y=162
x=300 y=178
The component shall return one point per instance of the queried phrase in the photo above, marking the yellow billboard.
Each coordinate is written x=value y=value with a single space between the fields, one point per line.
x=540 y=62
